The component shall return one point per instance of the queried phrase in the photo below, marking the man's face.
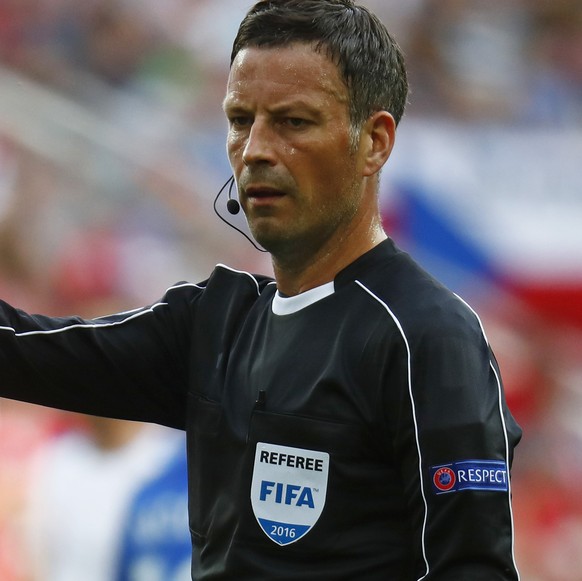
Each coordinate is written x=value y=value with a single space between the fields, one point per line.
x=291 y=149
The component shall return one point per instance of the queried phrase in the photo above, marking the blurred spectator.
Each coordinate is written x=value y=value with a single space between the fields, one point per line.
x=156 y=543
x=555 y=91
x=23 y=430
x=117 y=43
x=81 y=487
x=467 y=59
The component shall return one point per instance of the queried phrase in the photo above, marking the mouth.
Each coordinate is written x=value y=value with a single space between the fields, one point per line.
x=263 y=194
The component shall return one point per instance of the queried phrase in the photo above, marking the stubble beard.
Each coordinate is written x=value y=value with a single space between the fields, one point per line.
x=297 y=247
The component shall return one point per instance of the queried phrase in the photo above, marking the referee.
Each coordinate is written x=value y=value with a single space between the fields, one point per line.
x=345 y=420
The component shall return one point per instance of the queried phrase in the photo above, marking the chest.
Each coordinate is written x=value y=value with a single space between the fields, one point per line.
x=321 y=364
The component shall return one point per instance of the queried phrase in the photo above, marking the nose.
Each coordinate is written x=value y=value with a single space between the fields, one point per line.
x=259 y=145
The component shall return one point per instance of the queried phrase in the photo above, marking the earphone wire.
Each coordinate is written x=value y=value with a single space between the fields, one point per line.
x=230 y=184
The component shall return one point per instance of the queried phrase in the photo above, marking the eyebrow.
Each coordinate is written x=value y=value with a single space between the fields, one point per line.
x=291 y=106
x=232 y=105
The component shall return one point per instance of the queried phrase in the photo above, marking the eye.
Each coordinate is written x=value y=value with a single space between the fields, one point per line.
x=240 y=121
x=295 y=122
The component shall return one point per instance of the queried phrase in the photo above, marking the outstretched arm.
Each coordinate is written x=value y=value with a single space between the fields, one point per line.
x=127 y=365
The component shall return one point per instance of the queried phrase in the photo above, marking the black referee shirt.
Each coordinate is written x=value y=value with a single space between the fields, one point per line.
x=356 y=431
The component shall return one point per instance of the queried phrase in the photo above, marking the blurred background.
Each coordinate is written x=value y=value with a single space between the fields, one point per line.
x=111 y=153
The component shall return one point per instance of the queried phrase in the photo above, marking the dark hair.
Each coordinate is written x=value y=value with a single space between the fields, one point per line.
x=369 y=60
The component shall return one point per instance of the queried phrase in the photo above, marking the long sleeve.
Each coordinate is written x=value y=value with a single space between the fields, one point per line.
x=129 y=365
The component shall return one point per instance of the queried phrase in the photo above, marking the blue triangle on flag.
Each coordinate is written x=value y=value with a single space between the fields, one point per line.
x=433 y=238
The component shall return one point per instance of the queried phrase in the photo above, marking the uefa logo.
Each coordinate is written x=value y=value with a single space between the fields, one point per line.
x=444 y=479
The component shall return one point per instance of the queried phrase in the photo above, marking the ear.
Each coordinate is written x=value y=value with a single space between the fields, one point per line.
x=378 y=134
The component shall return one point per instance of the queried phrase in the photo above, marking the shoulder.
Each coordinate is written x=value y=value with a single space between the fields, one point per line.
x=225 y=285
x=223 y=276
x=419 y=305
x=257 y=282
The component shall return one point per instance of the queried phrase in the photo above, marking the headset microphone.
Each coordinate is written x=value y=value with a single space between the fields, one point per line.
x=232 y=205
x=233 y=208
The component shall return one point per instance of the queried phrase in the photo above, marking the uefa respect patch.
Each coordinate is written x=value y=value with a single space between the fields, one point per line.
x=470 y=475
x=288 y=490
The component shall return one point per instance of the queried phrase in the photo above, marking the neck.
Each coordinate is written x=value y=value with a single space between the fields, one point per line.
x=298 y=274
